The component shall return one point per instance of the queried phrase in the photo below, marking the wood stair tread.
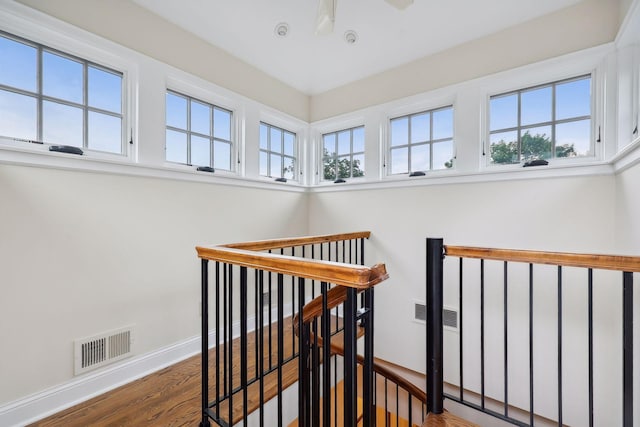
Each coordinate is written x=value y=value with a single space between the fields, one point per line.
x=446 y=419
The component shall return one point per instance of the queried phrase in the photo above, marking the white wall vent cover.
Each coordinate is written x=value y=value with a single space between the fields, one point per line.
x=449 y=315
x=101 y=350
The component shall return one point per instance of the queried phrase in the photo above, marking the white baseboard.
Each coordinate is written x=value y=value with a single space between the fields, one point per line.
x=55 y=399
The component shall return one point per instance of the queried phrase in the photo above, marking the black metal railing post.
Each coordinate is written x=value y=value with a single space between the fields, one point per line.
x=435 y=261
x=205 y=342
x=368 y=416
x=350 y=358
x=627 y=334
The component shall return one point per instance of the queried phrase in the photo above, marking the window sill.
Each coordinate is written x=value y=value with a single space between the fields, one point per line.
x=95 y=163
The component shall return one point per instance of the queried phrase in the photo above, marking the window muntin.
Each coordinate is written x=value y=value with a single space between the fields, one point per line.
x=542 y=122
x=52 y=97
x=422 y=141
x=277 y=152
x=197 y=133
x=343 y=154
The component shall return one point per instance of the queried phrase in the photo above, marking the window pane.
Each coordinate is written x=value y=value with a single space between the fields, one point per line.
x=263 y=137
x=420 y=128
x=200 y=151
x=536 y=143
x=443 y=124
x=18 y=65
x=400 y=131
x=535 y=106
x=344 y=167
x=263 y=163
x=222 y=155
x=176 y=111
x=442 y=155
x=400 y=160
x=504 y=147
x=276 y=140
x=221 y=124
x=105 y=90
x=200 y=118
x=573 y=99
x=503 y=112
x=358 y=140
x=105 y=133
x=573 y=139
x=18 y=115
x=61 y=124
x=344 y=142
x=275 y=168
x=176 y=146
x=357 y=166
x=329 y=168
x=420 y=157
x=61 y=77
x=289 y=168
x=329 y=144
x=289 y=140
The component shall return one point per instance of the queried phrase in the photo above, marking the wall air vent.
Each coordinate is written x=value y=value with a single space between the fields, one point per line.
x=449 y=315
x=101 y=350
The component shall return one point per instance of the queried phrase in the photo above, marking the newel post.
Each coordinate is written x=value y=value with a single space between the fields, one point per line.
x=435 y=258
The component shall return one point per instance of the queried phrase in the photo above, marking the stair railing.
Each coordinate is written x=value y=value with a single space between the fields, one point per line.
x=248 y=275
x=504 y=278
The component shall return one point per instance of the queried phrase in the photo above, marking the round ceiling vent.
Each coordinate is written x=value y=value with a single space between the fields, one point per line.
x=281 y=29
x=351 y=37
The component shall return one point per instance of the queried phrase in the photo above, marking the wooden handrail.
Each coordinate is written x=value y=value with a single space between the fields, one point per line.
x=263 y=245
x=604 y=262
x=247 y=255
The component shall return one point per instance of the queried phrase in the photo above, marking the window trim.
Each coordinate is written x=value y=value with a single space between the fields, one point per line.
x=388 y=158
x=349 y=155
x=594 y=139
x=269 y=152
x=211 y=137
x=84 y=106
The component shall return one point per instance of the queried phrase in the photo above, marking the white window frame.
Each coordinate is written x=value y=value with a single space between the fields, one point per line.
x=189 y=132
x=269 y=152
x=595 y=134
x=429 y=142
x=67 y=40
x=349 y=155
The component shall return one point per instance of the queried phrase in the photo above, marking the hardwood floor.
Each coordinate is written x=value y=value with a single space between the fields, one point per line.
x=171 y=396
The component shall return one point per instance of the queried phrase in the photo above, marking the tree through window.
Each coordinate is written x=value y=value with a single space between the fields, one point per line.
x=343 y=154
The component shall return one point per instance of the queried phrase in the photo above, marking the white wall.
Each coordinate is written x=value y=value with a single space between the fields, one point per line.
x=85 y=253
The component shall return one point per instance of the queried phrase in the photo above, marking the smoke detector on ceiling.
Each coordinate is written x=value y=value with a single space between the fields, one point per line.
x=282 y=29
x=351 y=37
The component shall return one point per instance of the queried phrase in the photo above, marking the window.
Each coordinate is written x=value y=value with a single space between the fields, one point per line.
x=55 y=98
x=422 y=141
x=198 y=133
x=542 y=122
x=277 y=152
x=343 y=154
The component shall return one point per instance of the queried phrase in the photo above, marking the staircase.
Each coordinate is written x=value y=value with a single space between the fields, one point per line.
x=310 y=288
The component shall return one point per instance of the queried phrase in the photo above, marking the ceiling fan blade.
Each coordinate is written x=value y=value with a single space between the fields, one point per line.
x=400 y=4
x=326 y=17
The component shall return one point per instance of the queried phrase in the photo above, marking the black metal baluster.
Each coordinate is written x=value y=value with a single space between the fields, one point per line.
x=230 y=322
x=225 y=328
x=505 y=343
x=531 y=413
x=460 y=335
x=482 y=333
x=627 y=336
x=326 y=355
x=386 y=403
x=313 y=282
x=205 y=341
x=303 y=372
x=315 y=372
x=280 y=343
x=560 y=346
x=367 y=371
x=243 y=340
x=590 y=304
x=257 y=309
x=362 y=251
x=270 y=321
x=218 y=337
x=293 y=306
x=261 y=347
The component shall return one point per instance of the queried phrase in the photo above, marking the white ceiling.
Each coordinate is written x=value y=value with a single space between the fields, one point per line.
x=387 y=37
